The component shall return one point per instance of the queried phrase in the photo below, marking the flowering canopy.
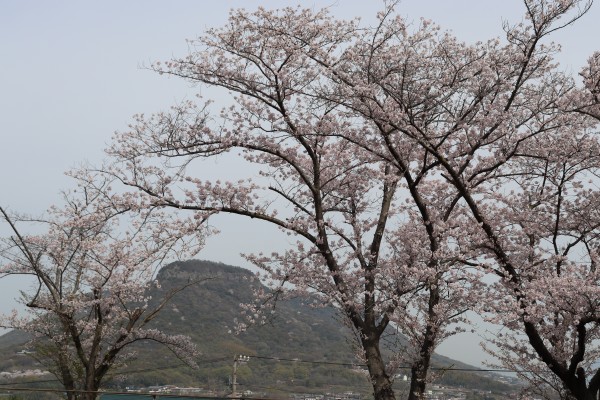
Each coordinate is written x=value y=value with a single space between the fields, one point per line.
x=92 y=269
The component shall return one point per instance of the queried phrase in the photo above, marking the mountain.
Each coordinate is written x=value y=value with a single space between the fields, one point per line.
x=208 y=309
x=315 y=337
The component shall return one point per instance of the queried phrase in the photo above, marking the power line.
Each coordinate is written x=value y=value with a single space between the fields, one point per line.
x=29 y=382
x=294 y=360
x=346 y=364
x=131 y=371
x=149 y=394
x=134 y=371
x=309 y=361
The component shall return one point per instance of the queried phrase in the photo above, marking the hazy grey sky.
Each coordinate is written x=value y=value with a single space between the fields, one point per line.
x=72 y=73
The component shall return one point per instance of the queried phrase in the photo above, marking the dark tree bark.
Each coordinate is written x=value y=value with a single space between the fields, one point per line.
x=382 y=384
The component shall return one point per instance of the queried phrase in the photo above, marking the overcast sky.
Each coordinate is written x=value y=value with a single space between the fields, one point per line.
x=72 y=73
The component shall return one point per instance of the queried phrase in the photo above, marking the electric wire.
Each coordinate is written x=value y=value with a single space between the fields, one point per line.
x=347 y=364
x=269 y=358
x=153 y=395
x=116 y=373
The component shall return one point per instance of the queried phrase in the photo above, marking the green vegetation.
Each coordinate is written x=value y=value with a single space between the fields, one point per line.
x=207 y=312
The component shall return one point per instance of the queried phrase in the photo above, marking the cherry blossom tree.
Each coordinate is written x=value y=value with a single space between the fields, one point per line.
x=515 y=138
x=361 y=246
x=92 y=268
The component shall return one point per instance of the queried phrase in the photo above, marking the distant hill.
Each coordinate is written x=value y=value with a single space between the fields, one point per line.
x=206 y=312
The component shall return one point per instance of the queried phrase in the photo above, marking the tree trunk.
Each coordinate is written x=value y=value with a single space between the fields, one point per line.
x=584 y=394
x=65 y=375
x=580 y=391
x=382 y=384
x=90 y=394
x=418 y=379
x=70 y=394
x=91 y=385
x=420 y=368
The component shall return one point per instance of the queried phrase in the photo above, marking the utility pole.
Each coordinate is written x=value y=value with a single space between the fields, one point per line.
x=238 y=359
